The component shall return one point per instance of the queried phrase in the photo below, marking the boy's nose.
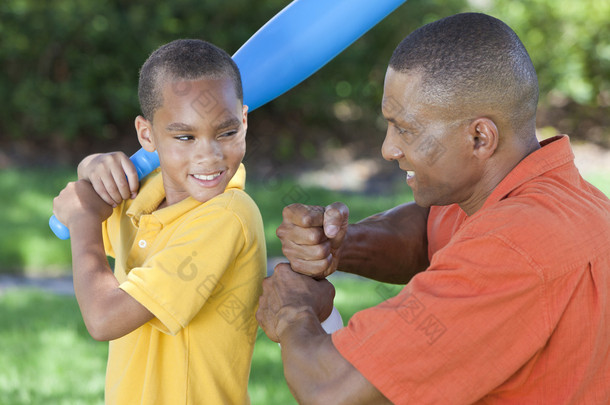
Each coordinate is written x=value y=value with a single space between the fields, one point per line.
x=207 y=151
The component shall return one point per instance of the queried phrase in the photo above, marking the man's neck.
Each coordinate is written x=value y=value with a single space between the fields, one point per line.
x=498 y=168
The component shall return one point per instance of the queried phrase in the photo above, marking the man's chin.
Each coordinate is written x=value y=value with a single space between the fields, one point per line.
x=422 y=202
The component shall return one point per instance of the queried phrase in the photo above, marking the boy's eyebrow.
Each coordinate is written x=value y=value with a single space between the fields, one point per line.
x=226 y=123
x=179 y=127
x=219 y=125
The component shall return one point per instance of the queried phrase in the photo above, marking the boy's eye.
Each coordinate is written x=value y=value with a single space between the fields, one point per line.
x=184 y=137
x=228 y=133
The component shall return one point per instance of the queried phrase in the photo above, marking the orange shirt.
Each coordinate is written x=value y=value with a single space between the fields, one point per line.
x=515 y=305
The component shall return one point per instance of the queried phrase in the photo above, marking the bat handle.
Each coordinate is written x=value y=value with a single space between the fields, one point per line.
x=145 y=162
x=334 y=322
x=59 y=229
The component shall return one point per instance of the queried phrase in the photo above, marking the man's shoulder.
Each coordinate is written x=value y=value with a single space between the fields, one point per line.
x=548 y=230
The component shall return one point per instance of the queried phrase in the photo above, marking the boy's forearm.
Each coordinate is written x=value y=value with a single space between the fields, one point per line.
x=390 y=247
x=92 y=273
x=108 y=311
x=316 y=372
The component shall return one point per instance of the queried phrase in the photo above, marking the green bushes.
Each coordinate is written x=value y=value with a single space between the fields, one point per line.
x=70 y=67
x=569 y=42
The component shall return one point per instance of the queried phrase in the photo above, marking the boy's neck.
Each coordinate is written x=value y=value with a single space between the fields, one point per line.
x=162 y=204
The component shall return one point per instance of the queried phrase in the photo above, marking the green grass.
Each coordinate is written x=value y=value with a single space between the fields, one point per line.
x=27 y=245
x=26 y=242
x=47 y=356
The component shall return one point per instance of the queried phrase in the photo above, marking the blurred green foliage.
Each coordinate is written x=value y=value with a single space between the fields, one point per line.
x=569 y=42
x=70 y=67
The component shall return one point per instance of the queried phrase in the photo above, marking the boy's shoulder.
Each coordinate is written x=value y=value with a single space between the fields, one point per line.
x=233 y=202
x=231 y=199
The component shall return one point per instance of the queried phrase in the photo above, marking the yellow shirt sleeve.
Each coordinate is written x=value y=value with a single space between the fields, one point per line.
x=176 y=282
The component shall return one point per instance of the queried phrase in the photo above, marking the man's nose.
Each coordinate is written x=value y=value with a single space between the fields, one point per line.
x=389 y=149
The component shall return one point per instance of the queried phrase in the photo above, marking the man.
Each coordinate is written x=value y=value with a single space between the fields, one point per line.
x=505 y=251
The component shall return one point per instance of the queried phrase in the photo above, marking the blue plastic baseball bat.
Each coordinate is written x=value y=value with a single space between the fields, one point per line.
x=144 y=161
x=299 y=40
x=292 y=46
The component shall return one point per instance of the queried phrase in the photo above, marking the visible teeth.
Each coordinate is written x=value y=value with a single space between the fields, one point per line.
x=410 y=173
x=206 y=177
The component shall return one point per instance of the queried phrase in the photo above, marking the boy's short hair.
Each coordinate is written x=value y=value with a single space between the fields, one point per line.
x=183 y=59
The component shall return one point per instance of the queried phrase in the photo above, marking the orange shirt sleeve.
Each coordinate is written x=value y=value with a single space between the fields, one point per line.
x=468 y=311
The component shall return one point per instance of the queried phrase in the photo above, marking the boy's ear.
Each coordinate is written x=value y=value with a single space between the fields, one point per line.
x=144 y=130
x=245 y=117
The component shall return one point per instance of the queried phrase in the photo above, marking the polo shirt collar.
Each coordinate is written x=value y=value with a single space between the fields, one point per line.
x=554 y=152
x=149 y=197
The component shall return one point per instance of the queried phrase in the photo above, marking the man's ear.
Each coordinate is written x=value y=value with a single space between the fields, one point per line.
x=484 y=136
x=144 y=130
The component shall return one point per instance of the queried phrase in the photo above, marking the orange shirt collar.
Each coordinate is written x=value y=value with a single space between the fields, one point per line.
x=554 y=152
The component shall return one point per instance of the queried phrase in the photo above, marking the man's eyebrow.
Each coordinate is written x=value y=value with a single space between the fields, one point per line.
x=179 y=127
x=405 y=122
x=394 y=121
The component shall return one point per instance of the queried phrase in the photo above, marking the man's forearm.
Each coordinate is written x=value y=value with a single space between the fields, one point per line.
x=390 y=246
x=316 y=372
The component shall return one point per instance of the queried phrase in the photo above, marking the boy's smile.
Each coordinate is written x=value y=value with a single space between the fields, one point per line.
x=200 y=135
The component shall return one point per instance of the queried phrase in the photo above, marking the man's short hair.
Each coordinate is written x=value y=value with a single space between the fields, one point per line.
x=183 y=59
x=472 y=60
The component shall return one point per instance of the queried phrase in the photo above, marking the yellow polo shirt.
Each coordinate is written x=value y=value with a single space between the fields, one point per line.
x=198 y=268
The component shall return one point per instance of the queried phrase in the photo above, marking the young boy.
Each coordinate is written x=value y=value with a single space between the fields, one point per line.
x=188 y=245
